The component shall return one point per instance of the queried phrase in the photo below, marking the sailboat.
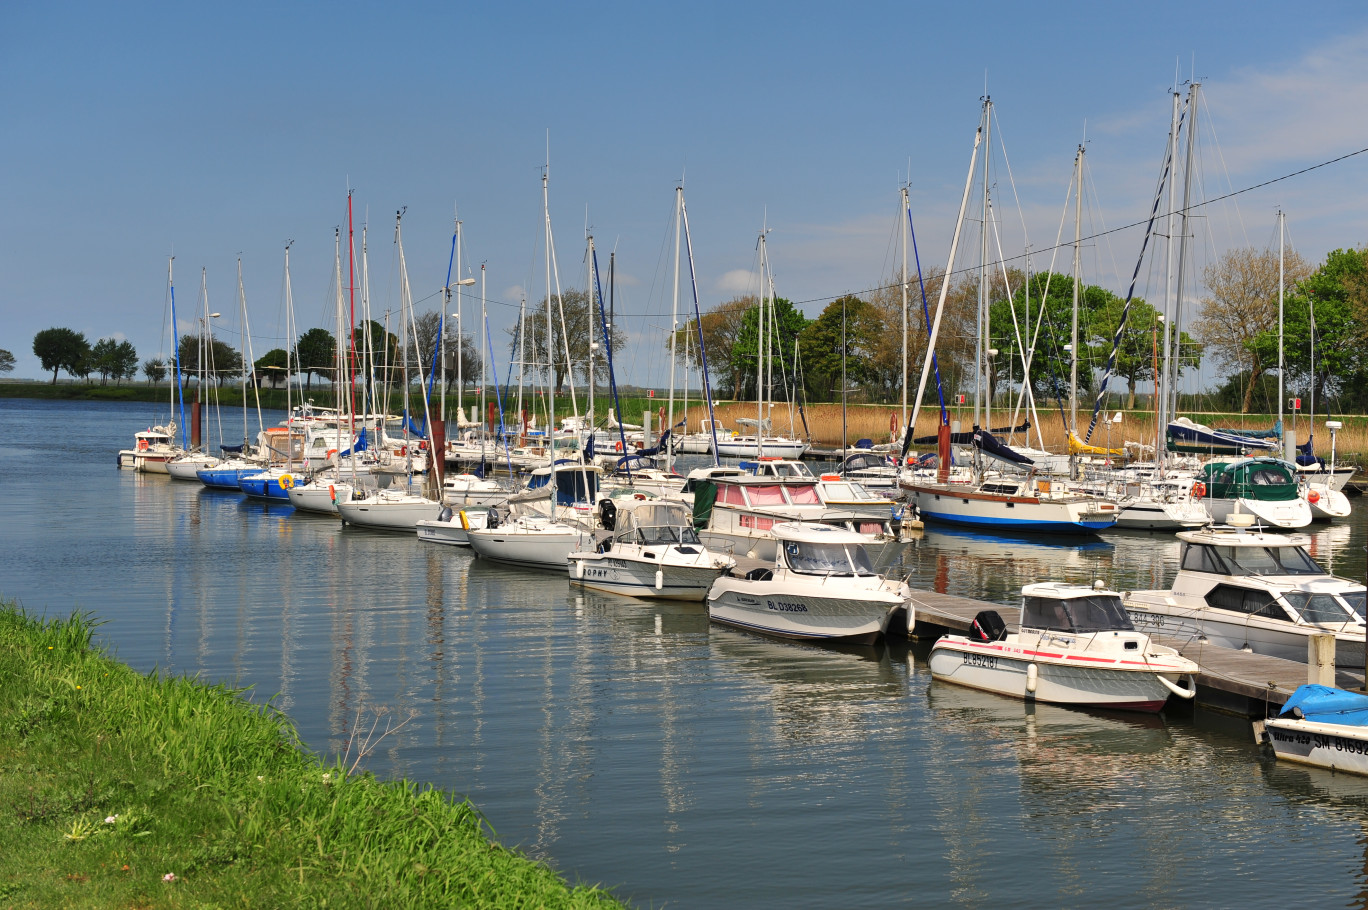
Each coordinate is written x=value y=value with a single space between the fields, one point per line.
x=227 y=475
x=762 y=440
x=188 y=465
x=1004 y=503
x=155 y=447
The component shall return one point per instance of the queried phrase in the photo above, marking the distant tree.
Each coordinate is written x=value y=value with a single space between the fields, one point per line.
x=155 y=370
x=848 y=325
x=1242 y=304
x=427 y=326
x=272 y=367
x=375 y=352
x=6 y=361
x=782 y=326
x=721 y=325
x=125 y=361
x=571 y=318
x=61 y=349
x=317 y=353
x=103 y=358
x=221 y=362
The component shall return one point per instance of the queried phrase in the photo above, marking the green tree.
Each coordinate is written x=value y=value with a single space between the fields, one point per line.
x=272 y=367
x=1327 y=297
x=125 y=361
x=155 y=370
x=470 y=364
x=848 y=326
x=103 y=358
x=782 y=326
x=317 y=353
x=1141 y=344
x=6 y=361
x=721 y=325
x=221 y=362
x=61 y=349
x=571 y=318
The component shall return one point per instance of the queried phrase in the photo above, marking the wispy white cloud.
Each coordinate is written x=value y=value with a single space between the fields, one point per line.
x=737 y=281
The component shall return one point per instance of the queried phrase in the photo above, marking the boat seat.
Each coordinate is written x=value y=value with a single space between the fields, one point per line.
x=760 y=575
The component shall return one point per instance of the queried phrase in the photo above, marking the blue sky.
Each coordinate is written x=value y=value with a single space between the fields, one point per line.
x=136 y=130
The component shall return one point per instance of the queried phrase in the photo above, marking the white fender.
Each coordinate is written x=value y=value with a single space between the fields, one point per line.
x=1189 y=692
x=1032 y=676
x=660 y=579
x=579 y=568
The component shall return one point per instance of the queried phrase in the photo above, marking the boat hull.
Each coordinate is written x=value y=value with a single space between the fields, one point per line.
x=632 y=577
x=376 y=515
x=319 y=498
x=538 y=550
x=228 y=479
x=1009 y=513
x=454 y=532
x=787 y=611
x=1058 y=679
x=1282 y=513
x=1334 y=747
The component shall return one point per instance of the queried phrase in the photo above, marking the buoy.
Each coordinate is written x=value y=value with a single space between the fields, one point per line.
x=332 y=493
x=660 y=579
x=465 y=522
x=1313 y=497
x=331 y=453
x=1198 y=490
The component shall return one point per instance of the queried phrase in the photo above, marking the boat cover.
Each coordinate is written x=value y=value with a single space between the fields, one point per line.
x=964 y=439
x=989 y=445
x=1326 y=705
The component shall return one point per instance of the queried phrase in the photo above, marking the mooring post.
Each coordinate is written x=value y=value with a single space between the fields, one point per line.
x=1320 y=659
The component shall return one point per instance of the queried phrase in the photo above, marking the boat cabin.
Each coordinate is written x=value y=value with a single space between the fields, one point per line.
x=575 y=483
x=1264 y=479
x=776 y=467
x=656 y=522
x=822 y=550
x=1074 y=609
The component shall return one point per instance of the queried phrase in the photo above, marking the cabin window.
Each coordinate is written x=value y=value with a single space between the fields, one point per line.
x=803 y=495
x=827 y=558
x=1268 y=561
x=1356 y=602
x=1245 y=600
x=1268 y=477
x=732 y=495
x=1200 y=558
x=766 y=495
x=1094 y=613
x=1322 y=609
x=836 y=490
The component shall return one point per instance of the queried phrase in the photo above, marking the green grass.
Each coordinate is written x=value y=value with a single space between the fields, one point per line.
x=110 y=781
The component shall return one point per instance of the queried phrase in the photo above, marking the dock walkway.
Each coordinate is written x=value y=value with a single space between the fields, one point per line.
x=1237 y=681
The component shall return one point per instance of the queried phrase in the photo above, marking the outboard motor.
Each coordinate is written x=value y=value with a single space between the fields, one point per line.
x=445 y=514
x=607 y=514
x=493 y=520
x=988 y=626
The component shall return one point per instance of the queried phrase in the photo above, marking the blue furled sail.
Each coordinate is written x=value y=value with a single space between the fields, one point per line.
x=989 y=445
x=360 y=445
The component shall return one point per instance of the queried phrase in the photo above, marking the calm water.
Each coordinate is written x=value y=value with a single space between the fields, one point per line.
x=630 y=744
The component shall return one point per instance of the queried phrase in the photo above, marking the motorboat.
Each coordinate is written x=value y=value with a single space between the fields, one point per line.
x=531 y=541
x=875 y=471
x=1321 y=726
x=822 y=587
x=1075 y=646
x=653 y=551
x=152 y=449
x=1243 y=587
x=1152 y=504
x=745 y=508
x=453 y=526
x=1267 y=488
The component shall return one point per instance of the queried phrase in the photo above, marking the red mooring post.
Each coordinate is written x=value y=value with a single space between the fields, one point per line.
x=943 y=453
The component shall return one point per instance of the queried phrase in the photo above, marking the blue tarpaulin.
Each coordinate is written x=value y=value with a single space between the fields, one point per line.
x=1326 y=705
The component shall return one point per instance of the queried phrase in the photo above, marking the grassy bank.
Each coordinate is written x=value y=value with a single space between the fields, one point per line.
x=124 y=790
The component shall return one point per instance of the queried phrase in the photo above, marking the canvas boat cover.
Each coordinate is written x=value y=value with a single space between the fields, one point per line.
x=1326 y=705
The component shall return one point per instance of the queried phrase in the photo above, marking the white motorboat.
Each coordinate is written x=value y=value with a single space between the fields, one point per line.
x=654 y=551
x=823 y=587
x=530 y=541
x=388 y=510
x=1075 y=646
x=1150 y=504
x=752 y=446
x=152 y=449
x=1241 y=587
x=1321 y=726
x=453 y=526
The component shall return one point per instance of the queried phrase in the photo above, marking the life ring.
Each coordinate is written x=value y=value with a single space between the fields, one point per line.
x=286 y=481
x=639 y=496
x=1198 y=490
x=142 y=445
x=401 y=451
x=422 y=445
x=1313 y=497
x=893 y=422
x=617 y=447
x=331 y=453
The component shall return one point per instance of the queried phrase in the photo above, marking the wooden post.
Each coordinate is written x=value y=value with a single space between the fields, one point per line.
x=1320 y=659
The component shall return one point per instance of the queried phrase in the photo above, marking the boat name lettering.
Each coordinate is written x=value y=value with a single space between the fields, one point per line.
x=783 y=606
x=987 y=661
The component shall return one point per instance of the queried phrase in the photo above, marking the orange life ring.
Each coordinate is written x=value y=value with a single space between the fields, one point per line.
x=617 y=447
x=1198 y=490
x=331 y=453
x=1313 y=497
x=639 y=496
x=142 y=445
x=422 y=445
x=401 y=451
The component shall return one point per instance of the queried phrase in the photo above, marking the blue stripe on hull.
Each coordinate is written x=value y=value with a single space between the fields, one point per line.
x=1012 y=524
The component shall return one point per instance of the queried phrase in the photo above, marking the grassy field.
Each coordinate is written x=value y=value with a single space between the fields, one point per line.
x=132 y=791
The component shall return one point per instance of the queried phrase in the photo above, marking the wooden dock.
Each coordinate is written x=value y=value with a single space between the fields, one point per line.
x=1236 y=681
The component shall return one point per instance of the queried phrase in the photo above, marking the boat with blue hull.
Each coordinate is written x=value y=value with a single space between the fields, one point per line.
x=227 y=475
x=1014 y=506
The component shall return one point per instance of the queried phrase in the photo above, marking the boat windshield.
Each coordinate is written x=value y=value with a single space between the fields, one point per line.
x=1093 y=613
x=827 y=558
x=1322 y=609
x=1249 y=560
x=1357 y=602
x=665 y=534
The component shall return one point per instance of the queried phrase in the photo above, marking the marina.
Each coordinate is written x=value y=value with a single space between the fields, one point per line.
x=635 y=744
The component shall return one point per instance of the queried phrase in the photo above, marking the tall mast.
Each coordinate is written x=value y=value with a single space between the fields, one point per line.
x=289 y=331
x=1161 y=379
x=979 y=345
x=1183 y=244
x=550 y=334
x=760 y=357
x=674 y=321
x=593 y=334
x=1073 y=337
x=460 y=333
x=351 y=297
x=902 y=219
x=1281 y=390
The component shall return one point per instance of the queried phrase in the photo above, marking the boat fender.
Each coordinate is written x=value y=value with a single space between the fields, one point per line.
x=1189 y=692
x=660 y=579
x=1313 y=497
x=579 y=568
x=1198 y=490
x=893 y=422
x=332 y=493
x=465 y=522
x=1032 y=677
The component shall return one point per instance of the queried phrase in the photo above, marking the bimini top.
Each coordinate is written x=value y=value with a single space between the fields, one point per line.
x=804 y=532
x=1242 y=537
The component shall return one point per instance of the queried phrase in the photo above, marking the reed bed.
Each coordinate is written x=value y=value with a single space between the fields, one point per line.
x=125 y=790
